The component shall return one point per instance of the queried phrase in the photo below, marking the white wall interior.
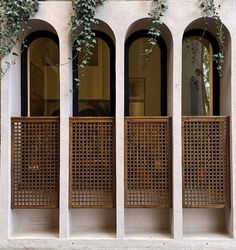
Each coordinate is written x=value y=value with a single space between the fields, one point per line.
x=148 y=222
x=93 y=223
x=35 y=223
x=204 y=223
x=208 y=222
x=119 y=228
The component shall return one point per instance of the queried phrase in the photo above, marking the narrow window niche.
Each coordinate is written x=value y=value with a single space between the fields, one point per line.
x=36 y=141
x=205 y=135
x=92 y=145
x=148 y=150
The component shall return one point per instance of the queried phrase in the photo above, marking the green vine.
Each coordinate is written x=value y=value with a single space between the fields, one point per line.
x=14 y=16
x=156 y=13
x=209 y=9
x=82 y=24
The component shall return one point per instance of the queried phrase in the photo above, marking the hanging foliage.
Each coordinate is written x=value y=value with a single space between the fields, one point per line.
x=157 y=12
x=82 y=24
x=210 y=9
x=14 y=16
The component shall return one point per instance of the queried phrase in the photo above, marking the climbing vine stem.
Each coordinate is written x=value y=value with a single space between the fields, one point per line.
x=14 y=16
x=210 y=9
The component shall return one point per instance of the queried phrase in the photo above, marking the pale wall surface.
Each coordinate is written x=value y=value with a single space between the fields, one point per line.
x=119 y=16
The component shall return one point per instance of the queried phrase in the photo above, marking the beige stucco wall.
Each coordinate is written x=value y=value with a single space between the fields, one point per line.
x=121 y=16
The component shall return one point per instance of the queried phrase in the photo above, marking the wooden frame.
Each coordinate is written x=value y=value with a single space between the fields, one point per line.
x=210 y=165
x=103 y=130
x=30 y=165
x=155 y=164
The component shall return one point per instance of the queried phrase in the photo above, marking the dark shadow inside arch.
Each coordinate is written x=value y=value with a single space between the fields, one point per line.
x=163 y=64
x=24 y=68
x=95 y=110
x=215 y=75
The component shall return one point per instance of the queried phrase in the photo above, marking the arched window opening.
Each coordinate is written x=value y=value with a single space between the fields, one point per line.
x=147 y=134
x=200 y=90
x=95 y=95
x=92 y=128
x=40 y=75
x=146 y=77
x=36 y=135
x=205 y=132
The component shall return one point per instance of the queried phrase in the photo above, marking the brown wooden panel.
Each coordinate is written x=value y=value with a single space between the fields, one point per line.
x=206 y=181
x=35 y=162
x=92 y=162
x=148 y=166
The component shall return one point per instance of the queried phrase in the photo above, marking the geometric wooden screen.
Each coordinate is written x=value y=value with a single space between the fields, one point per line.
x=92 y=162
x=206 y=167
x=35 y=162
x=148 y=166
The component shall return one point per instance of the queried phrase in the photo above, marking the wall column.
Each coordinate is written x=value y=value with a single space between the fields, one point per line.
x=177 y=221
x=120 y=137
x=65 y=113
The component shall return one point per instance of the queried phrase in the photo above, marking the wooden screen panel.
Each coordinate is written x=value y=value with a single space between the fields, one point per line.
x=92 y=162
x=206 y=181
x=35 y=162
x=148 y=166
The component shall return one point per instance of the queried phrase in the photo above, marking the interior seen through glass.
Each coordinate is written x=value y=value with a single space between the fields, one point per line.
x=197 y=77
x=144 y=80
x=94 y=89
x=43 y=86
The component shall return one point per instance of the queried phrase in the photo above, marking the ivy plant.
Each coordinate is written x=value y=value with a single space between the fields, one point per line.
x=14 y=16
x=157 y=12
x=82 y=24
x=210 y=9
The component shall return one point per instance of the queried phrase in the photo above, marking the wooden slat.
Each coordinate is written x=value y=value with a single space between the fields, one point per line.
x=35 y=162
x=92 y=162
x=206 y=168
x=148 y=166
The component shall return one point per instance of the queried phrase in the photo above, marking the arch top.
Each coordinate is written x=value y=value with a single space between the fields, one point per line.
x=40 y=34
x=145 y=24
x=103 y=27
x=37 y=25
x=207 y=24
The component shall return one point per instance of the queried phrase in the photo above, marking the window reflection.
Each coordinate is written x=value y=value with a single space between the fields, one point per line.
x=94 y=90
x=144 y=80
x=43 y=64
x=197 y=77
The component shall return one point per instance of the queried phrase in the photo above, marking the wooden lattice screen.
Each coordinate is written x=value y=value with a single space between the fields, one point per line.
x=92 y=162
x=35 y=162
x=148 y=166
x=206 y=181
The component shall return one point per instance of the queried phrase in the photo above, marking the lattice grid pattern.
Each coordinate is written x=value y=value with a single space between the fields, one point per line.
x=92 y=162
x=35 y=162
x=206 y=162
x=148 y=162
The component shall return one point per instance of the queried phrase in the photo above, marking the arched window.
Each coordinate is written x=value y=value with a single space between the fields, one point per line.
x=200 y=90
x=95 y=95
x=146 y=78
x=40 y=75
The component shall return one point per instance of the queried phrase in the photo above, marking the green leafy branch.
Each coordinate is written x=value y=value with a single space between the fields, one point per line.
x=82 y=24
x=14 y=16
x=209 y=9
x=156 y=13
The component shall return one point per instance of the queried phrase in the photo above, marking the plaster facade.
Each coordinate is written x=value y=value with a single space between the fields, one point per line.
x=183 y=228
